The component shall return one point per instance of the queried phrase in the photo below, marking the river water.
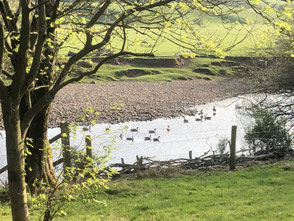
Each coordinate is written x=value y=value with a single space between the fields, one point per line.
x=195 y=136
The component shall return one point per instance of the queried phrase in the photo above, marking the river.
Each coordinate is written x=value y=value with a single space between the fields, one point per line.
x=195 y=136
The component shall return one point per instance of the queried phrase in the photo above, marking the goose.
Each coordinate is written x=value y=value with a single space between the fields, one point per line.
x=207 y=118
x=152 y=131
x=199 y=119
x=147 y=138
x=131 y=138
x=186 y=120
x=86 y=129
x=156 y=139
x=135 y=129
x=107 y=128
x=121 y=136
x=168 y=128
x=214 y=109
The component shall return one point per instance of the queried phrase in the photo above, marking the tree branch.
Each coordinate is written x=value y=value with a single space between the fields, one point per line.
x=22 y=58
x=49 y=96
x=42 y=26
x=2 y=85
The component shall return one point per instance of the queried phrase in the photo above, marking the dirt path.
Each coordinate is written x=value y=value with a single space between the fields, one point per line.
x=142 y=101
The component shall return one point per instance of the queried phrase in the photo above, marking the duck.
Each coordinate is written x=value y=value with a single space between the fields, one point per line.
x=121 y=136
x=168 y=128
x=156 y=139
x=147 y=138
x=135 y=129
x=152 y=131
x=186 y=120
x=107 y=129
x=199 y=119
x=131 y=138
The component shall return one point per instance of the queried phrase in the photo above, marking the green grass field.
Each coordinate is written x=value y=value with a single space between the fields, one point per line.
x=241 y=38
x=109 y=72
x=255 y=193
x=223 y=31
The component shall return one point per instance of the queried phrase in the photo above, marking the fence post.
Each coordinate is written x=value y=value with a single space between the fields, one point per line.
x=139 y=163
x=64 y=127
x=233 y=148
x=89 y=152
x=123 y=163
x=190 y=154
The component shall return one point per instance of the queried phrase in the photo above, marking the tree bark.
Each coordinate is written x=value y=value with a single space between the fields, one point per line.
x=15 y=160
x=39 y=164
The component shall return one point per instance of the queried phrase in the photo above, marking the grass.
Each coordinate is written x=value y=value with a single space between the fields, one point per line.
x=224 y=34
x=254 y=193
x=109 y=72
x=222 y=30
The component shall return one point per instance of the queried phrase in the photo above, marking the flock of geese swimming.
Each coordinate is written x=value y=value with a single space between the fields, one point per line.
x=148 y=138
x=200 y=116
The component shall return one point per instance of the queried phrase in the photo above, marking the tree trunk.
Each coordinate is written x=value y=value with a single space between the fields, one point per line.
x=39 y=164
x=15 y=160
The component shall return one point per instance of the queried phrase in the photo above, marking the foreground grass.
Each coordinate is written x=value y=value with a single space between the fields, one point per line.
x=255 y=193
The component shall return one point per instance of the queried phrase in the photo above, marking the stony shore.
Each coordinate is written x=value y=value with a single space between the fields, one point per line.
x=139 y=101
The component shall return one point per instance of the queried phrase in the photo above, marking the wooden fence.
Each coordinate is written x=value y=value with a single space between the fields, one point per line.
x=143 y=163
x=64 y=135
x=204 y=161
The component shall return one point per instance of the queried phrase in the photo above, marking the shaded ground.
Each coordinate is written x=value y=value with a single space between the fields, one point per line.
x=142 y=101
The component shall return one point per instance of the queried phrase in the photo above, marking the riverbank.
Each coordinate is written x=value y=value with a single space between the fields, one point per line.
x=126 y=101
x=139 y=101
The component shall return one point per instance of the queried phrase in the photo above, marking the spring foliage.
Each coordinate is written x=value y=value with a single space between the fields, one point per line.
x=269 y=132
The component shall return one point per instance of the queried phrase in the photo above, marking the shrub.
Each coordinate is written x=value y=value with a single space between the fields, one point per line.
x=222 y=145
x=269 y=132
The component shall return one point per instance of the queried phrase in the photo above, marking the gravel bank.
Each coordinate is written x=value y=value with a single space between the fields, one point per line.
x=142 y=101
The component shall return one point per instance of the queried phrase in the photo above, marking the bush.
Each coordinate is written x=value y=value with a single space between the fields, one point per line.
x=222 y=145
x=269 y=133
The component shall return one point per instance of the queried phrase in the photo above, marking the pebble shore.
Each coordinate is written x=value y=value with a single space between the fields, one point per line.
x=139 y=101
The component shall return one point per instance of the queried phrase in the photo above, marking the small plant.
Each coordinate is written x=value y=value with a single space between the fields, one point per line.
x=4 y=197
x=269 y=133
x=222 y=145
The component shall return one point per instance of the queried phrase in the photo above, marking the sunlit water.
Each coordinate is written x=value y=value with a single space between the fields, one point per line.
x=195 y=136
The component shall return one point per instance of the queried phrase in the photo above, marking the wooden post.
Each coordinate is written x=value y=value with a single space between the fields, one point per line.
x=190 y=154
x=139 y=162
x=64 y=127
x=233 y=148
x=89 y=152
x=123 y=163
